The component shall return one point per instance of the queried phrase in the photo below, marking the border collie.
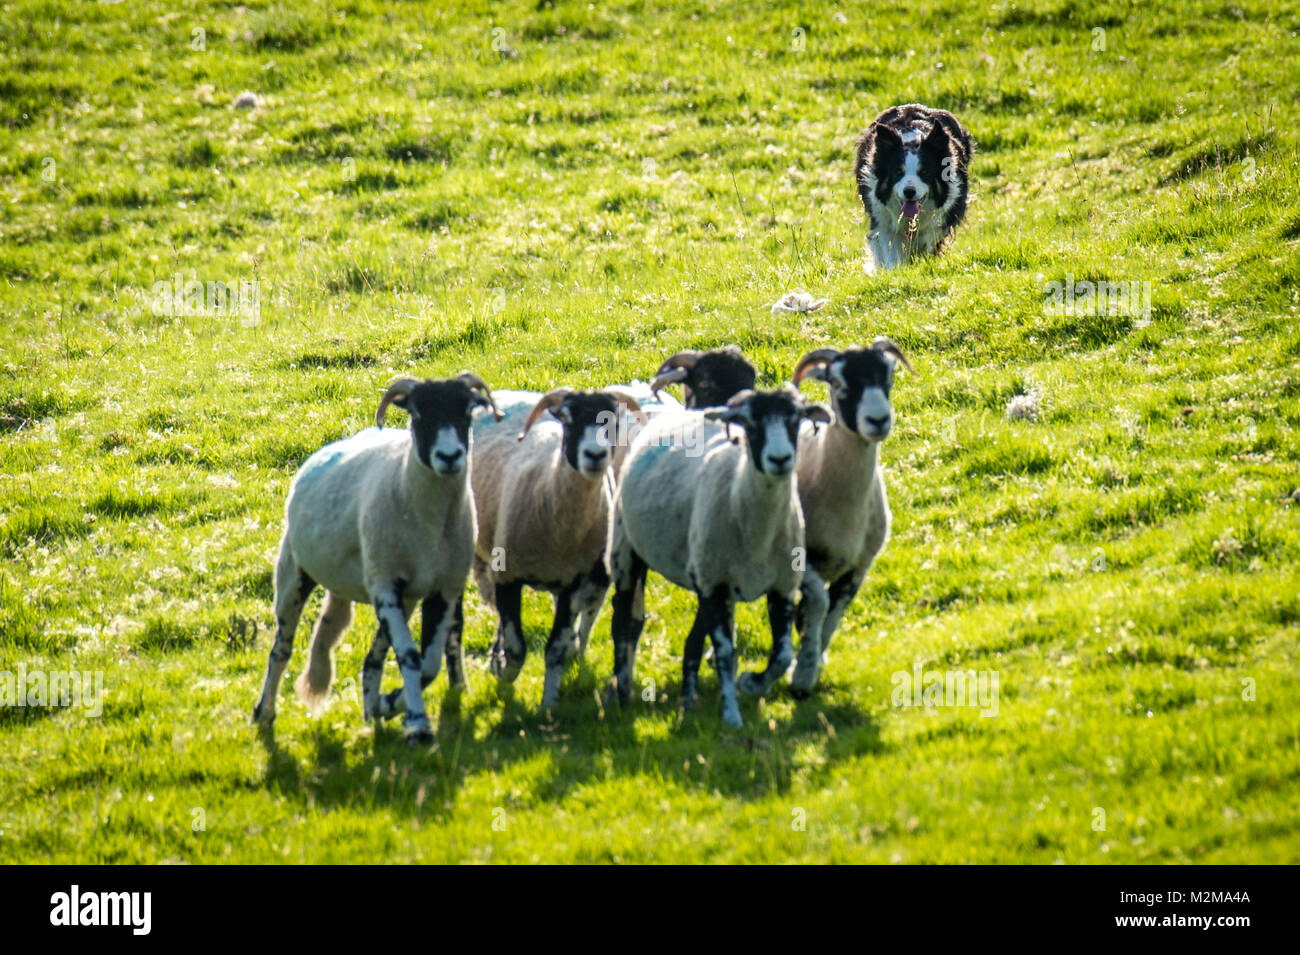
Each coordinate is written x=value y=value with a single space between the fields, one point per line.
x=911 y=174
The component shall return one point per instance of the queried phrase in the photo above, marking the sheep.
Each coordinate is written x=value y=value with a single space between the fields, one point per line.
x=543 y=497
x=384 y=517
x=842 y=492
x=719 y=518
x=827 y=513
x=709 y=379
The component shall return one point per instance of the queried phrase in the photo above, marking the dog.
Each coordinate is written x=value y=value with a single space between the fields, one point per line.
x=911 y=171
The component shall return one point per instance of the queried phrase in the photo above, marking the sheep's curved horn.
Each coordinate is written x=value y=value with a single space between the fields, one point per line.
x=683 y=359
x=545 y=402
x=662 y=381
x=889 y=348
x=397 y=388
x=478 y=384
x=813 y=364
x=675 y=369
x=632 y=405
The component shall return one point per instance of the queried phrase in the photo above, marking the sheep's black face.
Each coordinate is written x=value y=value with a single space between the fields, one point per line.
x=440 y=418
x=860 y=380
x=771 y=422
x=716 y=377
x=590 y=420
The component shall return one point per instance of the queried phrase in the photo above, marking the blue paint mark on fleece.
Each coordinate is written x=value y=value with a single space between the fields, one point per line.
x=648 y=456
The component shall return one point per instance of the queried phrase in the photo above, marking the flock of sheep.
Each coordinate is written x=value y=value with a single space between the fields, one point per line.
x=735 y=494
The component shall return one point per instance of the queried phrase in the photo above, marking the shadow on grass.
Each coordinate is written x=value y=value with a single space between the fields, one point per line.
x=552 y=754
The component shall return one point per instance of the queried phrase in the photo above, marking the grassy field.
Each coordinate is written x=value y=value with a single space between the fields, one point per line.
x=563 y=193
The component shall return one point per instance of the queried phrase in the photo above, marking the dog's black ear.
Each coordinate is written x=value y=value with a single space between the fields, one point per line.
x=936 y=140
x=886 y=145
x=886 y=136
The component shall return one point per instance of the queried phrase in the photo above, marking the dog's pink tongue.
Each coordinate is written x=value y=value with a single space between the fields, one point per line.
x=911 y=209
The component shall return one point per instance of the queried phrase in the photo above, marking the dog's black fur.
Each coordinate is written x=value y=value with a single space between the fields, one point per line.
x=943 y=148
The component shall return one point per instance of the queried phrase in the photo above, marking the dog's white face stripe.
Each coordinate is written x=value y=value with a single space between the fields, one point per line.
x=911 y=178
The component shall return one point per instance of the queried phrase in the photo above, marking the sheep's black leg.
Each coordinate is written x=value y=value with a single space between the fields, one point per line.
x=842 y=593
x=293 y=587
x=589 y=598
x=372 y=672
x=560 y=642
x=392 y=612
x=625 y=628
x=508 y=649
x=813 y=606
x=723 y=633
x=693 y=654
x=780 y=614
x=839 y=596
x=439 y=617
x=454 y=651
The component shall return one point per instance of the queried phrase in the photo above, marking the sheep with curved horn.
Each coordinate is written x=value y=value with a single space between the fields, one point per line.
x=384 y=517
x=543 y=491
x=721 y=519
x=842 y=492
x=708 y=379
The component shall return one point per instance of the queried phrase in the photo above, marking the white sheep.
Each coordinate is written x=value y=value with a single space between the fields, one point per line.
x=542 y=490
x=718 y=517
x=384 y=517
x=842 y=491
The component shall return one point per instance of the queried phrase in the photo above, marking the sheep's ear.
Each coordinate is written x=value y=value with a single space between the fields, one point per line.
x=728 y=417
x=562 y=412
x=736 y=411
x=818 y=412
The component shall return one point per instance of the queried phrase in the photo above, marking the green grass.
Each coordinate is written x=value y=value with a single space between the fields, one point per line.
x=617 y=182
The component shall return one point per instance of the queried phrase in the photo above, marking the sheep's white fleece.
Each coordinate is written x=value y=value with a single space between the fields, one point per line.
x=363 y=513
x=550 y=522
x=697 y=511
